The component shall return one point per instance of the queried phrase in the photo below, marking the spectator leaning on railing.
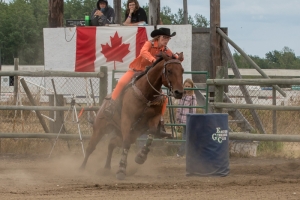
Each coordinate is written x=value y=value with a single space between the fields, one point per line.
x=103 y=14
x=134 y=14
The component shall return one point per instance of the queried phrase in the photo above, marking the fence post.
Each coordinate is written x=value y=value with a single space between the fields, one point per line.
x=0 y=80
x=59 y=117
x=274 y=111
x=16 y=68
x=32 y=101
x=219 y=89
x=103 y=84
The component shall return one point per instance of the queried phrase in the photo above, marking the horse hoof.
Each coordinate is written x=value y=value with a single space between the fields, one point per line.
x=120 y=176
x=140 y=160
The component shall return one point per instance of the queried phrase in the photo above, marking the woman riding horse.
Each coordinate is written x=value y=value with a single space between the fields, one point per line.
x=139 y=111
x=151 y=48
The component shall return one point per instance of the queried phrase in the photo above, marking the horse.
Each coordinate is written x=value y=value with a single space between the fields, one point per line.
x=138 y=111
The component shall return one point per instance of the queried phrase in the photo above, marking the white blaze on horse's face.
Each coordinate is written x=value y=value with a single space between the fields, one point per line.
x=173 y=76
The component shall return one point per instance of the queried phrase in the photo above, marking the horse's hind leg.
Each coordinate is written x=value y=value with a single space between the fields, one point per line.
x=114 y=142
x=98 y=132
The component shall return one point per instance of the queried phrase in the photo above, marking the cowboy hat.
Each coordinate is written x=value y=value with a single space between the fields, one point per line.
x=162 y=31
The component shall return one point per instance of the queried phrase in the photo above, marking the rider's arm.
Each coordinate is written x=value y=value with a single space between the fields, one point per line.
x=145 y=52
x=175 y=55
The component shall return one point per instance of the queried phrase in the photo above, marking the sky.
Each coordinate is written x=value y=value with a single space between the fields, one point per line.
x=256 y=26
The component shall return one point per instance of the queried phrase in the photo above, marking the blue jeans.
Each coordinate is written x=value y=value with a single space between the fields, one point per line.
x=181 y=150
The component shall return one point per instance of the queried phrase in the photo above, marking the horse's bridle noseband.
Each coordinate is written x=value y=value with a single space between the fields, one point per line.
x=165 y=78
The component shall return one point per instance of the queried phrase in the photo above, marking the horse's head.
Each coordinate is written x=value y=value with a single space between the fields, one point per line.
x=172 y=75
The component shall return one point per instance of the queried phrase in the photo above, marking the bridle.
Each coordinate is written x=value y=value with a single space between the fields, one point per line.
x=164 y=78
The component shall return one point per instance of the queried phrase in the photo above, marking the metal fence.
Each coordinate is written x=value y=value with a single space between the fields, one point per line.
x=50 y=88
x=273 y=114
x=278 y=122
x=19 y=116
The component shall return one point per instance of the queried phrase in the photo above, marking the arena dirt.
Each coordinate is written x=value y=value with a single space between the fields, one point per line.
x=161 y=177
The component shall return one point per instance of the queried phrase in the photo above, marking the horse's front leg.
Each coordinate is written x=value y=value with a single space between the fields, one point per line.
x=121 y=173
x=141 y=156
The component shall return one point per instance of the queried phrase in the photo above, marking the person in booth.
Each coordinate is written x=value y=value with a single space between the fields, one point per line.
x=134 y=14
x=150 y=49
x=103 y=14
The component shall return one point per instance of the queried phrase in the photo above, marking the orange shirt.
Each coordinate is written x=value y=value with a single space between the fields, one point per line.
x=147 y=55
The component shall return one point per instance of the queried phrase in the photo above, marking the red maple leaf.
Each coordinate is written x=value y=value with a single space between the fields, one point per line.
x=117 y=51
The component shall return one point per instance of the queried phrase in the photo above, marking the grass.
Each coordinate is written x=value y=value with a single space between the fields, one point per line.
x=270 y=147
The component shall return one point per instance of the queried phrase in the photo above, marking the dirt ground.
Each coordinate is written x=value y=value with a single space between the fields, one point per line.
x=161 y=177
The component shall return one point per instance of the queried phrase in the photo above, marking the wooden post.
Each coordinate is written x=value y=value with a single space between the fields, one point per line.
x=118 y=11
x=274 y=111
x=103 y=84
x=0 y=79
x=16 y=87
x=154 y=13
x=219 y=88
x=31 y=99
x=0 y=86
x=253 y=64
x=215 y=39
x=185 y=12
x=56 y=125
x=55 y=13
x=243 y=88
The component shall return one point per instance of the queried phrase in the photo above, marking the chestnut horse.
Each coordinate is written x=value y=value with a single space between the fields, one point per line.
x=138 y=111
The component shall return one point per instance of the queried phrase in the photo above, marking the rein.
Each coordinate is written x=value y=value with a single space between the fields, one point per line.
x=165 y=77
x=159 y=99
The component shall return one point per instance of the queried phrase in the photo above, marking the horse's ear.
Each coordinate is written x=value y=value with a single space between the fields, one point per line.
x=180 y=56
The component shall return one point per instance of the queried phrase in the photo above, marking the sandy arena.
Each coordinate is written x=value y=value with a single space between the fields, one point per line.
x=37 y=177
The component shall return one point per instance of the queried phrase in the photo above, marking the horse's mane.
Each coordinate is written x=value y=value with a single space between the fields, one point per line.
x=160 y=58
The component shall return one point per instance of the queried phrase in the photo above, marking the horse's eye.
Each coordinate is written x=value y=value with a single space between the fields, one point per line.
x=169 y=71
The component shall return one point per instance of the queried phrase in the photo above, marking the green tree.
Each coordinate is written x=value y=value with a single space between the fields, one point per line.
x=284 y=59
x=77 y=9
x=20 y=32
x=200 y=21
x=167 y=17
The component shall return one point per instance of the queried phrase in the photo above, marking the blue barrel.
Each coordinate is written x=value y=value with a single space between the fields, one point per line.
x=207 y=145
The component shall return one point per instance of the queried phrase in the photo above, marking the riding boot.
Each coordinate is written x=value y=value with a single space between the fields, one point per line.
x=110 y=109
x=162 y=127
x=161 y=131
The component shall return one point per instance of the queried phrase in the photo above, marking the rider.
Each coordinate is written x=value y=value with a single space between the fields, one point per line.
x=150 y=49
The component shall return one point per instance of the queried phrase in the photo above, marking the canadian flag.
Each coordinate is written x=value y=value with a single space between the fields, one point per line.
x=113 y=47
x=86 y=49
